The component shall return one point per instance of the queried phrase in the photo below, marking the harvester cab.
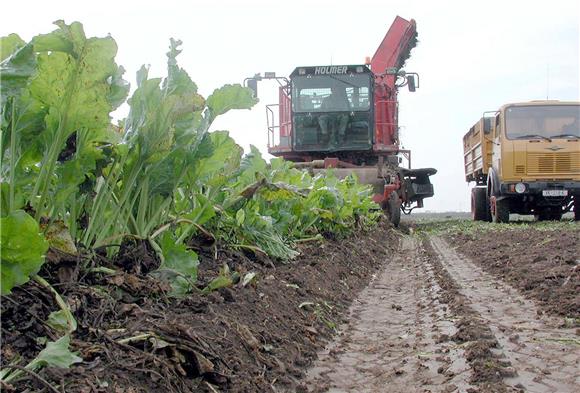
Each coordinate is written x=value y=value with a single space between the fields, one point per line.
x=346 y=117
x=331 y=109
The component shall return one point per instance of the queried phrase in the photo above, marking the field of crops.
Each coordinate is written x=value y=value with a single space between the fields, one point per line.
x=152 y=255
x=139 y=204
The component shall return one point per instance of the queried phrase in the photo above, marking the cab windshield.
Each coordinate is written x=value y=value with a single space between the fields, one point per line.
x=543 y=121
x=331 y=93
x=332 y=112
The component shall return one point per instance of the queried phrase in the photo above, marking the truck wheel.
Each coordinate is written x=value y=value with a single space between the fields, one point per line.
x=393 y=209
x=556 y=214
x=487 y=208
x=500 y=211
x=479 y=204
x=542 y=215
x=550 y=214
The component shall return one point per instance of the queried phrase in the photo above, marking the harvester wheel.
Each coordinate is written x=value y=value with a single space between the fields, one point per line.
x=576 y=208
x=479 y=204
x=394 y=209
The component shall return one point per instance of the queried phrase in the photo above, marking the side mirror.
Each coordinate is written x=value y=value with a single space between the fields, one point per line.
x=253 y=84
x=487 y=125
x=411 y=83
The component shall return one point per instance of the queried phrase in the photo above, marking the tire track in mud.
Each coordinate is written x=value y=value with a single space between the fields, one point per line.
x=542 y=356
x=393 y=342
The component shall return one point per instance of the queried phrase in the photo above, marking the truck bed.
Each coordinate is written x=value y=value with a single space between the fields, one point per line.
x=477 y=146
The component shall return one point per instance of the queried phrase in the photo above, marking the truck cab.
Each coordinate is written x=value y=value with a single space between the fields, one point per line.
x=530 y=160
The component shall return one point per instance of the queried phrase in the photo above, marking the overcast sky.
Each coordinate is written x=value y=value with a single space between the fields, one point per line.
x=472 y=56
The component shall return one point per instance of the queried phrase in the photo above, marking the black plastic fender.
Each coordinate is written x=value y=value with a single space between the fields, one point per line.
x=493 y=184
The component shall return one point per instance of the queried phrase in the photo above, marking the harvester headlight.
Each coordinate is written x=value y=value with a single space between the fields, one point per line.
x=359 y=69
x=520 y=188
x=301 y=71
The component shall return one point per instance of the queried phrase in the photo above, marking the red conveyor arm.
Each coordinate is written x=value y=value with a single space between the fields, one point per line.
x=396 y=46
x=393 y=51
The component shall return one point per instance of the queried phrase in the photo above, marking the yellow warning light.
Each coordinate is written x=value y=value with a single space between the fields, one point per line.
x=368 y=60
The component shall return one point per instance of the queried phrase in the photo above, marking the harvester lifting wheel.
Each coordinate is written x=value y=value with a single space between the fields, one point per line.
x=393 y=209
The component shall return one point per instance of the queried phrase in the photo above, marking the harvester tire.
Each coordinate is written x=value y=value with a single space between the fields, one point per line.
x=479 y=204
x=576 y=208
x=394 y=209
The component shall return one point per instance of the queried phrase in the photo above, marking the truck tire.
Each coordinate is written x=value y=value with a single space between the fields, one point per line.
x=393 y=209
x=556 y=214
x=576 y=208
x=550 y=214
x=487 y=211
x=501 y=212
x=479 y=204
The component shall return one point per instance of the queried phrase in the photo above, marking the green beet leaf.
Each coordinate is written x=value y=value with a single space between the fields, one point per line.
x=226 y=278
x=16 y=71
x=9 y=44
x=65 y=86
x=202 y=212
x=221 y=157
x=217 y=283
x=77 y=79
x=56 y=354
x=23 y=249
x=179 y=265
x=252 y=167
x=58 y=320
x=230 y=97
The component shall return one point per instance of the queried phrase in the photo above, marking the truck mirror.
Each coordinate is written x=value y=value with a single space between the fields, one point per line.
x=253 y=84
x=487 y=125
x=411 y=82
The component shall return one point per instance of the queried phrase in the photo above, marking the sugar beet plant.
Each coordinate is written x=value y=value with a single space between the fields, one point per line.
x=72 y=180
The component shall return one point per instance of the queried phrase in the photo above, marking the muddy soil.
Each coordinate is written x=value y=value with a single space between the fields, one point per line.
x=377 y=312
x=543 y=265
x=134 y=338
x=433 y=321
x=398 y=338
x=532 y=351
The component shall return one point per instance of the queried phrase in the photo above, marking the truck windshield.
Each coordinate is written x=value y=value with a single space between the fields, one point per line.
x=331 y=93
x=543 y=121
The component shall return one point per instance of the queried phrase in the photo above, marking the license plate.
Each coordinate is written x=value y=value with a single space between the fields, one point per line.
x=555 y=193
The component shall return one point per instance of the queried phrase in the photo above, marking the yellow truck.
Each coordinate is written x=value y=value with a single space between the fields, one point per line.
x=525 y=159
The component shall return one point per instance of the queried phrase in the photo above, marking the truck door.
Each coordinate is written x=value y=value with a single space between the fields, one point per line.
x=496 y=150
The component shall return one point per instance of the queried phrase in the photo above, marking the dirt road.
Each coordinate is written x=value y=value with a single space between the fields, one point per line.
x=432 y=321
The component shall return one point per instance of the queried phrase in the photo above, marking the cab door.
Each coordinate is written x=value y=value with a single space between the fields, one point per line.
x=496 y=146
